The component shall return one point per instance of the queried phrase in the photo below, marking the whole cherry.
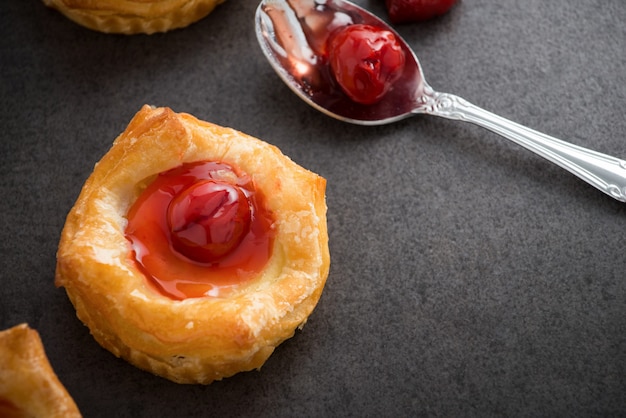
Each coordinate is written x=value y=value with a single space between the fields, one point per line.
x=365 y=61
x=208 y=220
x=401 y=11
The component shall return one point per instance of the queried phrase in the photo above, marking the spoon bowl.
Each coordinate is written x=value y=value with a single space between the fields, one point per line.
x=285 y=36
x=293 y=35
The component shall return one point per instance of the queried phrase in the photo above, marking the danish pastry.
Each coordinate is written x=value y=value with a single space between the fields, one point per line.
x=28 y=385
x=134 y=16
x=193 y=250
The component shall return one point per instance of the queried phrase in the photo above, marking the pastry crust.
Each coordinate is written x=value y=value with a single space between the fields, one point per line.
x=28 y=385
x=195 y=340
x=134 y=16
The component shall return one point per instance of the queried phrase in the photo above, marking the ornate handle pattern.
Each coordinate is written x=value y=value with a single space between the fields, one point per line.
x=602 y=171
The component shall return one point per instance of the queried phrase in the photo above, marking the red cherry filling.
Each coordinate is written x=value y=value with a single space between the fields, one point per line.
x=208 y=219
x=366 y=61
x=200 y=230
x=401 y=11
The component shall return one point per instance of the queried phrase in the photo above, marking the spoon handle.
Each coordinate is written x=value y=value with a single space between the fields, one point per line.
x=602 y=171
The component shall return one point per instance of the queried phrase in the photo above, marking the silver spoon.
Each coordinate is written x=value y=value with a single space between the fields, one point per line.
x=291 y=31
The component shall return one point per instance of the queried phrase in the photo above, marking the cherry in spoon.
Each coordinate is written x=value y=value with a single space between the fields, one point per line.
x=294 y=36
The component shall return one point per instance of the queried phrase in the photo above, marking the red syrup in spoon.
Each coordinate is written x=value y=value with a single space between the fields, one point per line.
x=308 y=36
x=200 y=229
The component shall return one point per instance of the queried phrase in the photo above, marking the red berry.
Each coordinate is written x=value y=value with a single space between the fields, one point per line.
x=208 y=220
x=365 y=60
x=415 y=10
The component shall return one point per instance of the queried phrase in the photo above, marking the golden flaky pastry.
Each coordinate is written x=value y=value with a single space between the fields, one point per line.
x=201 y=339
x=28 y=385
x=134 y=16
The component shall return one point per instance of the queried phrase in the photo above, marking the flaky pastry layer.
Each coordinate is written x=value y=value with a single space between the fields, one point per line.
x=203 y=339
x=28 y=385
x=134 y=16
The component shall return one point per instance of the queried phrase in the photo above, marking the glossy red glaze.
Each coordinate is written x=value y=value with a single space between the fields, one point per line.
x=200 y=229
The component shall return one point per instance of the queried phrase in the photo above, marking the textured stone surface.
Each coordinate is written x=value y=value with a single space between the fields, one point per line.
x=469 y=277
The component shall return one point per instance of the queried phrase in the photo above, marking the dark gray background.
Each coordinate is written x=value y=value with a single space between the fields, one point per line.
x=469 y=277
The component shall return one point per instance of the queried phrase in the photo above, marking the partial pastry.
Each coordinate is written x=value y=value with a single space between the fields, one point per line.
x=134 y=16
x=28 y=385
x=193 y=250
